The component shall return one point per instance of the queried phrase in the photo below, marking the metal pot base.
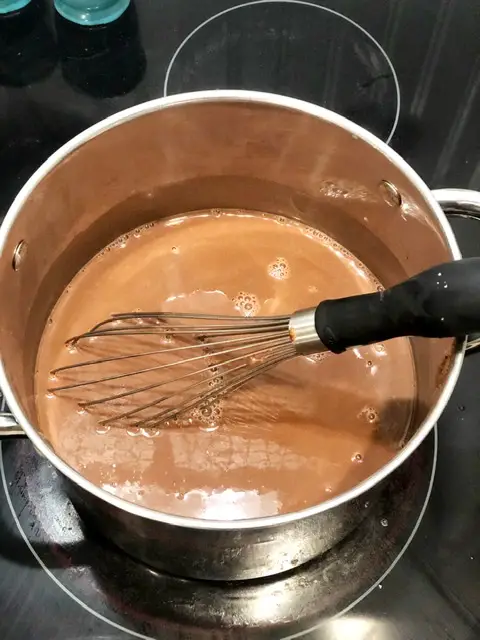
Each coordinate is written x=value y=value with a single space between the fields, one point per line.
x=145 y=601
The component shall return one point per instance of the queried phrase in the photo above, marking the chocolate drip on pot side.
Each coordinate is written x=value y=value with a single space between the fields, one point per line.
x=311 y=429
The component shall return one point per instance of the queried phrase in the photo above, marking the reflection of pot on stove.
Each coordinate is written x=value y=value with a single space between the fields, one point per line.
x=104 y=60
x=27 y=48
x=35 y=131
x=157 y=604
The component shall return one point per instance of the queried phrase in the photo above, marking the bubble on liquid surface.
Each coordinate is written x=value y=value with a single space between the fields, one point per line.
x=102 y=429
x=150 y=432
x=379 y=349
x=209 y=416
x=369 y=414
x=246 y=303
x=279 y=269
x=215 y=382
x=318 y=357
x=357 y=457
x=165 y=338
x=133 y=431
x=119 y=243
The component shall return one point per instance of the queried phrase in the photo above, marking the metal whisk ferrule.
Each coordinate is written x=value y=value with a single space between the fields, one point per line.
x=303 y=334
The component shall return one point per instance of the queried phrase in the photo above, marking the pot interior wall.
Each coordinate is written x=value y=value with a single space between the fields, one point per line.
x=196 y=155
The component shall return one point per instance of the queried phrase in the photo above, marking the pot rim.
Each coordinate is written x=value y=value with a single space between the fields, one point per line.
x=275 y=101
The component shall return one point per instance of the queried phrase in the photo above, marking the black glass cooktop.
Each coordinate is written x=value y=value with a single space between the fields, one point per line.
x=408 y=70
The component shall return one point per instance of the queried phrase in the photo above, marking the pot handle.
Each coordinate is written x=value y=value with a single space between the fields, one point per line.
x=9 y=426
x=461 y=203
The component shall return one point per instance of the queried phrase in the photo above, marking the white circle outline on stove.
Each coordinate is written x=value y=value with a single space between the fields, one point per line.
x=307 y=4
x=291 y=637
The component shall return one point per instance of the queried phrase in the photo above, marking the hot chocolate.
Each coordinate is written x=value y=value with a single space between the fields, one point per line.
x=312 y=429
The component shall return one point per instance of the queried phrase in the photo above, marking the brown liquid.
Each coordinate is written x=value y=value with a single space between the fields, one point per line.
x=311 y=429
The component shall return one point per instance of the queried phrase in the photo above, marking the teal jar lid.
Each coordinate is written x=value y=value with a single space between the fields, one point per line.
x=91 y=12
x=7 y=6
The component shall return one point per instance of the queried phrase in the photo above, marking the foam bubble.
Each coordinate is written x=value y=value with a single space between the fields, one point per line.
x=215 y=382
x=370 y=414
x=380 y=349
x=133 y=431
x=279 y=269
x=119 y=243
x=318 y=357
x=139 y=231
x=150 y=432
x=102 y=429
x=357 y=457
x=209 y=416
x=247 y=303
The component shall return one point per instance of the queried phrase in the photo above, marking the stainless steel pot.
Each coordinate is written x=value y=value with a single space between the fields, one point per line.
x=220 y=149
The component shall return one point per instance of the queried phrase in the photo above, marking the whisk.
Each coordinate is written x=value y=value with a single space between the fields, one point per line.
x=199 y=358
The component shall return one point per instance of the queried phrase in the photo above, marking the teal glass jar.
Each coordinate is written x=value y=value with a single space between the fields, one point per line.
x=91 y=12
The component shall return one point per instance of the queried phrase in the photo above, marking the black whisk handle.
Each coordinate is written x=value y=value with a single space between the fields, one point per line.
x=441 y=302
